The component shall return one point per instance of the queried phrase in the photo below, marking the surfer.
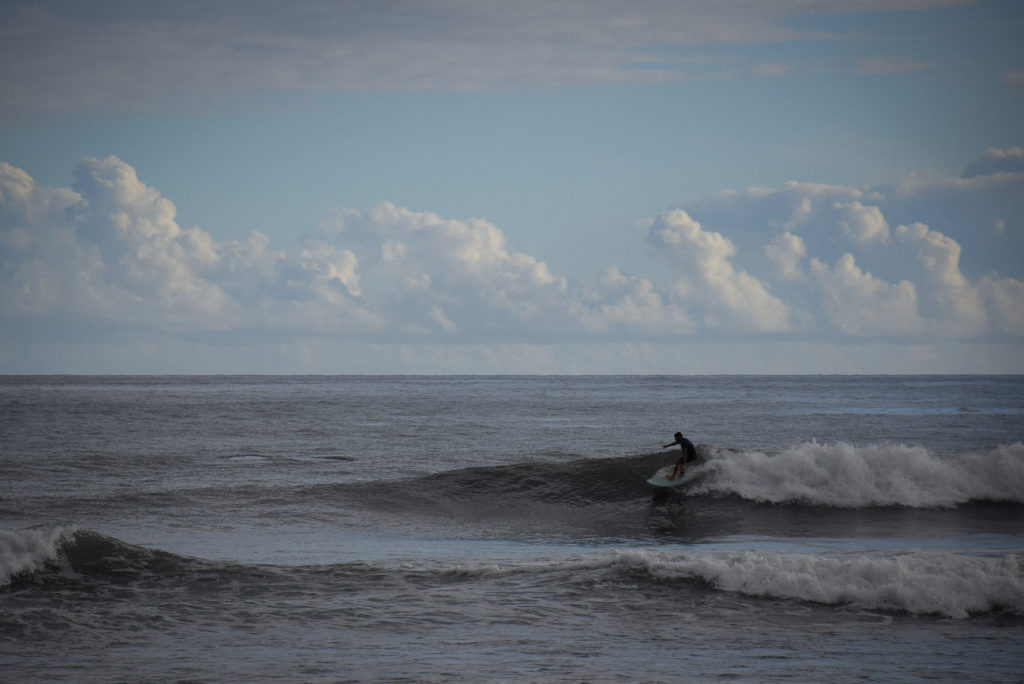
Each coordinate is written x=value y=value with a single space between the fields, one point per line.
x=689 y=454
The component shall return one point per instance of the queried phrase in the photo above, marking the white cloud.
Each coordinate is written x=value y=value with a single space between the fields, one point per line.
x=630 y=304
x=814 y=211
x=1006 y=299
x=955 y=304
x=787 y=251
x=329 y=265
x=804 y=263
x=459 y=276
x=859 y=304
x=442 y=320
x=37 y=247
x=863 y=223
x=112 y=249
x=461 y=268
x=958 y=282
x=730 y=299
x=154 y=260
x=27 y=208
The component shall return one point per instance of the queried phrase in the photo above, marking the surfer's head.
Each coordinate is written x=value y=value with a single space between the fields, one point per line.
x=679 y=436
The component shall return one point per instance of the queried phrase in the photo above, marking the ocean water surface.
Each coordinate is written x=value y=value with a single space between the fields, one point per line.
x=411 y=529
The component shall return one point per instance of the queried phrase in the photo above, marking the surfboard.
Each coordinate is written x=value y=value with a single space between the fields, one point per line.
x=660 y=478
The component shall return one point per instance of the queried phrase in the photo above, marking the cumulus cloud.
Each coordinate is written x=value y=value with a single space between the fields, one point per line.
x=950 y=268
x=800 y=262
x=111 y=248
x=37 y=246
x=863 y=223
x=859 y=304
x=459 y=276
x=728 y=298
x=1005 y=297
x=629 y=303
x=446 y=274
x=141 y=245
x=787 y=251
x=954 y=303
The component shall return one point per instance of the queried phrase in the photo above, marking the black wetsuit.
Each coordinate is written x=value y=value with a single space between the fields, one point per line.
x=689 y=451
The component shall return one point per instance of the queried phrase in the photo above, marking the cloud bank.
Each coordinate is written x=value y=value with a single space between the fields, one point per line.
x=111 y=56
x=801 y=264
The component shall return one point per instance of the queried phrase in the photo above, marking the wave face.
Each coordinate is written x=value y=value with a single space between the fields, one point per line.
x=66 y=554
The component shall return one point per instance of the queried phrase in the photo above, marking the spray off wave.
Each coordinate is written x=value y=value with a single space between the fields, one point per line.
x=845 y=476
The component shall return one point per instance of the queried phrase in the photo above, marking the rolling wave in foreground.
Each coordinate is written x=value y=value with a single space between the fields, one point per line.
x=936 y=583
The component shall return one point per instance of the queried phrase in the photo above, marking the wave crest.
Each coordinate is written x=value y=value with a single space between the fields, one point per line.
x=947 y=584
x=26 y=551
x=842 y=475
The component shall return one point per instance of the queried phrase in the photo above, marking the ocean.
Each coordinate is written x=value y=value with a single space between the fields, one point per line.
x=477 y=529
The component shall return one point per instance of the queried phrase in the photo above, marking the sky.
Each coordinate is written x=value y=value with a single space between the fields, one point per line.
x=528 y=186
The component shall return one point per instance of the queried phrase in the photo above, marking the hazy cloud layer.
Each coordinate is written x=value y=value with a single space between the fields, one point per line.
x=798 y=263
x=994 y=161
x=71 y=57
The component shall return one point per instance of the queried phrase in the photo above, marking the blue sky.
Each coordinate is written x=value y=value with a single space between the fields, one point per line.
x=512 y=187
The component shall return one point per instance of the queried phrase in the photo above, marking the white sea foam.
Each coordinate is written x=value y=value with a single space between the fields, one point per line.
x=878 y=475
x=28 y=550
x=948 y=584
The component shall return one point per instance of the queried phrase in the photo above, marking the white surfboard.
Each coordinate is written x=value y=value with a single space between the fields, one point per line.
x=660 y=478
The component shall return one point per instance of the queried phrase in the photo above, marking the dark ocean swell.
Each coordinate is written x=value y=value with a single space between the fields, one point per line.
x=821 y=475
x=59 y=567
x=808 y=490
x=827 y=490
x=810 y=475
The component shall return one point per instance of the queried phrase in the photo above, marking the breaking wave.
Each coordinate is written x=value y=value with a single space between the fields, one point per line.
x=835 y=475
x=842 y=475
x=949 y=584
x=23 y=552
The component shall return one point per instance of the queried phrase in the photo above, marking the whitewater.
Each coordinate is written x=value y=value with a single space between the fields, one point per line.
x=348 y=529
